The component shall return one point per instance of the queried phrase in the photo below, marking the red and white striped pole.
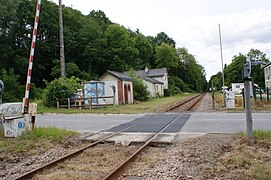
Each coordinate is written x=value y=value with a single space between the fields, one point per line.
x=31 y=58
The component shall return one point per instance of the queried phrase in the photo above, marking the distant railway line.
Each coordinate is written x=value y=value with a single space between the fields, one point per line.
x=116 y=171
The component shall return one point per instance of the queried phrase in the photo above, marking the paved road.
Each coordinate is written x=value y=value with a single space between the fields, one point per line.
x=225 y=122
x=84 y=122
x=200 y=122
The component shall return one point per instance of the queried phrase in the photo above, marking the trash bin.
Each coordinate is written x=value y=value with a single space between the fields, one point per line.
x=12 y=121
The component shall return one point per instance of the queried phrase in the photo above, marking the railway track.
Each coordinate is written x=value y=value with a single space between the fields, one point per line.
x=186 y=105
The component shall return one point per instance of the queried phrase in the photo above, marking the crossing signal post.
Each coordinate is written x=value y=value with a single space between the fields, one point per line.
x=247 y=80
x=31 y=59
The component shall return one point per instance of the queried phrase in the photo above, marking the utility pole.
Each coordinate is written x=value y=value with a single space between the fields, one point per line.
x=61 y=41
x=247 y=83
x=221 y=56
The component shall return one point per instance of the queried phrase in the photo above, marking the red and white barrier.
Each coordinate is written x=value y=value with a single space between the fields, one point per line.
x=31 y=59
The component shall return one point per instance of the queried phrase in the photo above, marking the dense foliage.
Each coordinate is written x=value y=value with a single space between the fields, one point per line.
x=93 y=44
x=233 y=72
x=140 y=90
x=61 y=88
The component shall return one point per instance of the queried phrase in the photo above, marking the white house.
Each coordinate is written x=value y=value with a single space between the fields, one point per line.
x=156 y=80
x=267 y=76
x=154 y=87
x=123 y=85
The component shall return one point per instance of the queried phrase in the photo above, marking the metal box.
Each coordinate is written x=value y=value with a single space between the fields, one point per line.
x=13 y=123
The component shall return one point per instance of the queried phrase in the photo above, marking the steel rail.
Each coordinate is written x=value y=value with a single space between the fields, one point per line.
x=182 y=103
x=31 y=173
x=116 y=173
x=198 y=100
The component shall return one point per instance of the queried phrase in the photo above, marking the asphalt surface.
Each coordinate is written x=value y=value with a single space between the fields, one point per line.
x=215 y=122
x=199 y=122
x=84 y=122
x=154 y=123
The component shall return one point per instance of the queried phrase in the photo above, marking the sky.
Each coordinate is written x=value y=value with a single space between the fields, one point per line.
x=194 y=24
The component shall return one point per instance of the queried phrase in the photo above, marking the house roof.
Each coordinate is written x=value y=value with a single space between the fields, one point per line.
x=154 y=81
x=152 y=72
x=120 y=75
x=267 y=65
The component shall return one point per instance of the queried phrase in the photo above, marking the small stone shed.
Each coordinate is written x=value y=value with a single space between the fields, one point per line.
x=123 y=84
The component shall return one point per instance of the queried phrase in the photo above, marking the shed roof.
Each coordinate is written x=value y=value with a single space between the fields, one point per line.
x=152 y=72
x=119 y=75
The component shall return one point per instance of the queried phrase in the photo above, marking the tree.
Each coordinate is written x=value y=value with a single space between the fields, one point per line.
x=166 y=56
x=190 y=71
x=164 y=38
x=13 y=90
x=257 y=72
x=233 y=72
x=121 y=48
x=71 y=70
x=93 y=43
x=217 y=79
x=145 y=51
x=100 y=17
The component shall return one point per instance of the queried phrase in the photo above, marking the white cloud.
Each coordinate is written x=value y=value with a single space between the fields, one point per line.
x=240 y=33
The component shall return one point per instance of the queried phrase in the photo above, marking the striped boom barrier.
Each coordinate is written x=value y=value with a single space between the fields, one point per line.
x=31 y=59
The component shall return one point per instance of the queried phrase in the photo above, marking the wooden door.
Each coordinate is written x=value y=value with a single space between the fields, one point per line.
x=120 y=91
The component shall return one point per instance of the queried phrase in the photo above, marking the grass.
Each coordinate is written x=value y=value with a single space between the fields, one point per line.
x=33 y=139
x=51 y=133
x=250 y=159
x=257 y=135
x=152 y=105
x=262 y=135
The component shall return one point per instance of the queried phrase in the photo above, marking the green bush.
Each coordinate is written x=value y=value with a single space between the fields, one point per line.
x=173 y=90
x=140 y=90
x=177 y=82
x=60 y=88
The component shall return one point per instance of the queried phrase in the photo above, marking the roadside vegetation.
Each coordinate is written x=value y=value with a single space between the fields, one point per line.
x=258 y=105
x=151 y=105
x=250 y=159
x=38 y=138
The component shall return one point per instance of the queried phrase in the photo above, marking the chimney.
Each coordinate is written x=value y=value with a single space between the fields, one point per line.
x=146 y=69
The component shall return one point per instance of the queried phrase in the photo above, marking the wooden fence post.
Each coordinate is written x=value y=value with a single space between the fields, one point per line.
x=80 y=103
x=90 y=103
x=57 y=104
x=69 y=103
x=267 y=93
